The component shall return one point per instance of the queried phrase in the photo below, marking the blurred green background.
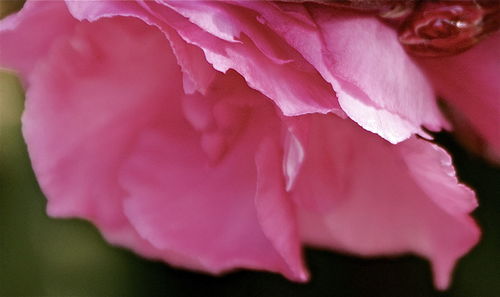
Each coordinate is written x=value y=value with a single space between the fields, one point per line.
x=40 y=256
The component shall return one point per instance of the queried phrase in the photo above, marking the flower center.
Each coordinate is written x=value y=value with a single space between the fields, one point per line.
x=432 y=28
x=448 y=27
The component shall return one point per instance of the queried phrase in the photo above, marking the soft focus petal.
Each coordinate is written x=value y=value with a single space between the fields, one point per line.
x=368 y=197
x=377 y=84
x=469 y=82
x=24 y=42
x=74 y=127
x=229 y=211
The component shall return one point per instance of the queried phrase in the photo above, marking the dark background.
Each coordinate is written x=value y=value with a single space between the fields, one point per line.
x=40 y=256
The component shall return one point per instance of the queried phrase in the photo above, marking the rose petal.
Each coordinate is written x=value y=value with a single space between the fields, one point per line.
x=295 y=87
x=219 y=213
x=79 y=98
x=198 y=74
x=275 y=210
x=24 y=42
x=377 y=84
x=470 y=83
x=372 y=198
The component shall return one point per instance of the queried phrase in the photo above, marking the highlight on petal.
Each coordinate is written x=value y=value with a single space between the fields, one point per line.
x=276 y=212
x=469 y=83
x=377 y=84
x=371 y=198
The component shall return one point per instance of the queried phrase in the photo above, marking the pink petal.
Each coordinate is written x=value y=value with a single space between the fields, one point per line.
x=79 y=100
x=230 y=23
x=24 y=42
x=294 y=86
x=94 y=102
x=470 y=83
x=275 y=211
x=371 y=198
x=231 y=213
x=198 y=74
x=78 y=104
x=377 y=84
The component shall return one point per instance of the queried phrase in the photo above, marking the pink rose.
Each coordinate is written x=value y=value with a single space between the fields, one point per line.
x=222 y=135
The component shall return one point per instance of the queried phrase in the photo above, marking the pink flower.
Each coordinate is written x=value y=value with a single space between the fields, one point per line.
x=223 y=135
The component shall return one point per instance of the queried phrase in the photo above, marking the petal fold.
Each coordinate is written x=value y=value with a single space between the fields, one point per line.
x=377 y=84
x=78 y=100
x=469 y=83
x=218 y=211
x=371 y=198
